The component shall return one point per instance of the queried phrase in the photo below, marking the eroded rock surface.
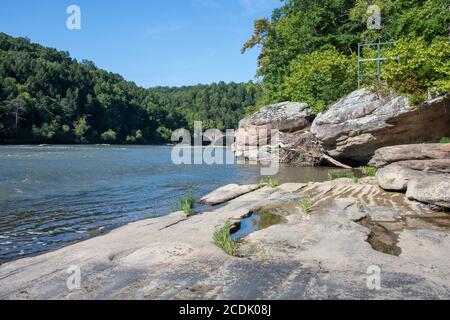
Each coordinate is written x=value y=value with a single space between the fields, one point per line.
x=285 y=117
x=362 y=122
x=256 y=139
x=422 y=171
x=227 y=193
x=429 y=151
x=433 y=190
x=322 y=255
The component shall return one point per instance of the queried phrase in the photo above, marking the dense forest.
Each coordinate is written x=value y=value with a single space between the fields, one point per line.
x=308 y=54
x=48 y=97
x=309 y=48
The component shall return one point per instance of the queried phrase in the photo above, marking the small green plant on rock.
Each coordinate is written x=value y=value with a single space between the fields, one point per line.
x=343 y=174
x=187 y=207
x=369 y=171
x=222 y=239
x=186 y=204
x=445 y=140
x=306 y=205
x=269 y=182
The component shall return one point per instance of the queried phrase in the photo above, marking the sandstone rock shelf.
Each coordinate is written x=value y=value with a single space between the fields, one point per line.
x=324 y=255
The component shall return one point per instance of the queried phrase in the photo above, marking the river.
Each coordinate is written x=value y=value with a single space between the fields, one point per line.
x=53 y=196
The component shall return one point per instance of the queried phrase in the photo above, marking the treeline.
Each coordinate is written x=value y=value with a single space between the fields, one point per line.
x=309 y=48
x=48 y=97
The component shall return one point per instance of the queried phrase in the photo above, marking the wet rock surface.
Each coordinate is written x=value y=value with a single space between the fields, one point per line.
x=321 y=255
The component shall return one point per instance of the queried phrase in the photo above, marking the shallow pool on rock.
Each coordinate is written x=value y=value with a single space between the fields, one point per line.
x=256 y=221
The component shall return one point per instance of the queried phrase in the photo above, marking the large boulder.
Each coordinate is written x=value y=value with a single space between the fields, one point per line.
x=396 y=176
x=285 y=117
x=422 y=171
x=364 y=121
x=433 y=190
x=257 y=129
x=431 y=151
x=291 y=121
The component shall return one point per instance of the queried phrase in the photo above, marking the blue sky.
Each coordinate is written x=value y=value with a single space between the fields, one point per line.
x=150 y=42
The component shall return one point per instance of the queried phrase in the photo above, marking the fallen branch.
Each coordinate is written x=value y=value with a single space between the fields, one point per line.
x=335 y=162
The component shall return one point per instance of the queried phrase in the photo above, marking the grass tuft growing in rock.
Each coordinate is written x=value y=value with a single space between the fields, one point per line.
x=306 y=205
x=343 y=174
x=186 y=204
x=369 y=171
x=445 y=140
x=269 y=182
x=187 y=207
x=222 y=239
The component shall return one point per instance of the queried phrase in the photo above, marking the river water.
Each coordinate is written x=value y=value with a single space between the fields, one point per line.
x=57 y=195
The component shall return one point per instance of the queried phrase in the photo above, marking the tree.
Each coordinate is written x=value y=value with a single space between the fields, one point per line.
x=109 y=136
x=80 y=129
x=301 y=27
x=39 y=85
x=320 y=78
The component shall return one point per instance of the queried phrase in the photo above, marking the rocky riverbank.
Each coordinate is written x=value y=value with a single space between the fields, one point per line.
x=328 y=237
x=350 y=131
x=297 y=241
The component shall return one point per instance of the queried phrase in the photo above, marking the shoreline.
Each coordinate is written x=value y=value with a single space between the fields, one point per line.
x=323 y=257
x=83 y=174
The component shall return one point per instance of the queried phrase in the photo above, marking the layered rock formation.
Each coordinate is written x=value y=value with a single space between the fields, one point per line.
x=422 y=171
x=285 y=117
x=350 y=131
x=283 y=128
x=362 y=122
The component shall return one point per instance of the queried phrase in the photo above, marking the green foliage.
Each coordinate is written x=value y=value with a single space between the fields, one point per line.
x=445 y=140
x=136 y=138
x=420 y=70
x=66 y=128
x=186 y=204
x=300 y=28
x=164 y=134
x=222 y=239
x=343 y=174
x=46 y=132
x=369 y=171
x=306 y=205
x=410 y=19
x=269 y=182
x=46 y=91
x=80 y=128
x=320 y=78
x=187 y=207
x=109 y=136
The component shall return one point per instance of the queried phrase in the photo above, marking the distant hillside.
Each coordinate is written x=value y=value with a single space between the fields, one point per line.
x=48 y=97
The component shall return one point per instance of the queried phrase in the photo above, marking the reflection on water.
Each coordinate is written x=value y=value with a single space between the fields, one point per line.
x=52 y=196
x=257 y=221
